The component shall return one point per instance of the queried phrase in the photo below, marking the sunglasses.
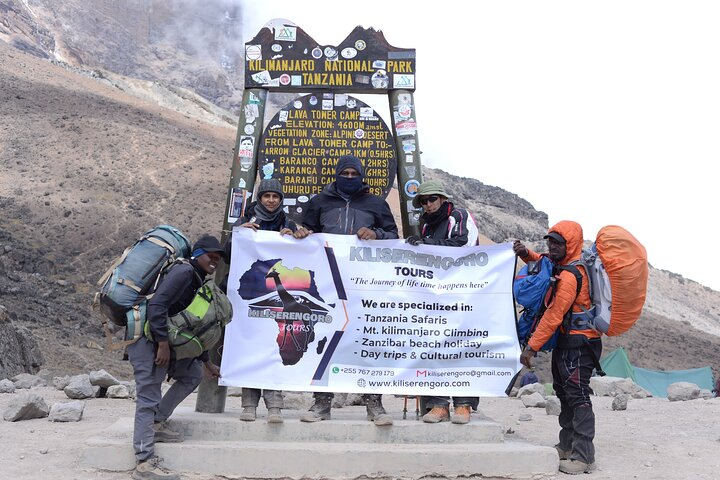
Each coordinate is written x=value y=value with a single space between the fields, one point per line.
x=430 y=199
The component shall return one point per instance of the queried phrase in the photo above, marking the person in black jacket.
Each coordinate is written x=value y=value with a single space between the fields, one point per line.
x=347 y=207
x=444 y=224
x=264 y=214
x=151 y=358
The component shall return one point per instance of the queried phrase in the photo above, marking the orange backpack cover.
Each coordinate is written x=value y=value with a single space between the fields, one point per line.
x=625 y=262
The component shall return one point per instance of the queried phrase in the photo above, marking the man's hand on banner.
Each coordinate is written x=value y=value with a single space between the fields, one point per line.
x=526 y=356
x=211 y=369
x=413 y=240
x=301 y=232
x=366 y=234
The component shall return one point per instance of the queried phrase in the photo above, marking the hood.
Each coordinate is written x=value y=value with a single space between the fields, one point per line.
x=573 y=235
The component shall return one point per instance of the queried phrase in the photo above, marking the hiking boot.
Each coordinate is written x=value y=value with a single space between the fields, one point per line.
x=437 y=415
x=574 y=467
x=376 y=412
x=248 y=414
x=274 y=415
x=320 y=410
x=563 y=454
x=151 y=469
x=461 y=415
x=163 y=434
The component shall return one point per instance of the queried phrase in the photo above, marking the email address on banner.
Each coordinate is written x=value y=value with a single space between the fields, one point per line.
x=389 y=378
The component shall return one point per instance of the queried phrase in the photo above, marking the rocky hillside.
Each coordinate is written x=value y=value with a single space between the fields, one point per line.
x=87 y=167
x=197 y=45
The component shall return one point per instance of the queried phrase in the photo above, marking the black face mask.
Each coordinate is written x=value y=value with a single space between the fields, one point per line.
x=350 y=185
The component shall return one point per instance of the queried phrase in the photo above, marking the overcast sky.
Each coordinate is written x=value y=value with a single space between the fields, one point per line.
x=599 y=112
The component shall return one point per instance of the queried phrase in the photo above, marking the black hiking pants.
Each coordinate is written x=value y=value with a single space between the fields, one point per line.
x=573 y=362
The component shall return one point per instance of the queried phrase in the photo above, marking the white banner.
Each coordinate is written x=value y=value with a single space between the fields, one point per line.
x=332 y=313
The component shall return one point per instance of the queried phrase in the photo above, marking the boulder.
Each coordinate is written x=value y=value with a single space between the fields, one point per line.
x=101 y=378
x=19 y=351
x=26 y=406
x=27 y=381
x=535 y=399
x=552 y=405
x=6 y=386
x=80 y=388
x=620 y=402
x=682 y=391
x=118 y=391
x=530 y=389
x=67 y=411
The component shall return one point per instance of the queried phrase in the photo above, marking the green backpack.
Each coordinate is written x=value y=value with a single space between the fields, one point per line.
x=199 y=326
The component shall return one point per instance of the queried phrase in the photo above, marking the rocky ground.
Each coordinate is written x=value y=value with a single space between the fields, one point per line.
x=652 y=439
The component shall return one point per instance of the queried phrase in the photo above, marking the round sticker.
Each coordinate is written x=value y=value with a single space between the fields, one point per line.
x=253 y=52
x=317 y=52
x=297 y=104
x=330 y=52
x=313 y=100
x=404 y=110
x=411 y=188
x=299 y=209
x=348 y=52
x=249 y=129
x=284 y=79
x=360 y=45
x=276 y=47
x=302 y=199
x=359 y=133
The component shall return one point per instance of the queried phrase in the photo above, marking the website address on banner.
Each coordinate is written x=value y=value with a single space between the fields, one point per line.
x=418 y=383
x=389 y=379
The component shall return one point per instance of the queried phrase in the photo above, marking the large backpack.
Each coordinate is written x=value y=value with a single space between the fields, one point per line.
x=534 y=289
x=617 y=267
x=199 y=326
x=131 y=279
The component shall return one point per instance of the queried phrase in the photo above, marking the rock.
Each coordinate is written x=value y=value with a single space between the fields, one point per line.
x=706 y=394
x=67 y=411
x=538 y=388
x=297 y=400
x=6 y=386
x=101 y=378
x=613 y=386
x=552 y=406
x=61 y=382
x=234 y=392
x=524 y=417
x=26 y=406
x=620 y=402
x=530 y=389
x=118 y=391
x=18 y=349
x=27 y=381
x=46 y=375
x=533 y=400
x=79 y=387
x=682 y=391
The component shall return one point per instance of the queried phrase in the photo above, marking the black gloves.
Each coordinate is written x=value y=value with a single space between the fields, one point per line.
x=414 y=240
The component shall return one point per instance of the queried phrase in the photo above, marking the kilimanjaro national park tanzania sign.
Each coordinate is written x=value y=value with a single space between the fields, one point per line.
x=283 y=57
x=303 y=142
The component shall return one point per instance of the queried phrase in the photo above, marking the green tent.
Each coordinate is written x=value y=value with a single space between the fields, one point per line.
x=617 y=364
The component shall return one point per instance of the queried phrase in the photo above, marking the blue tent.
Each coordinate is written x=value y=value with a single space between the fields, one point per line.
x=617 y=364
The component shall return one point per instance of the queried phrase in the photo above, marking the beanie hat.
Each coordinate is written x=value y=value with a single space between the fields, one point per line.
x=270 y=185
x=431 y=187
x=206 y=244
x=350 y=161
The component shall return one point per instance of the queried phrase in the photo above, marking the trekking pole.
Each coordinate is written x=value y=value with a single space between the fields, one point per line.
x=404 y=407
x=417 y=408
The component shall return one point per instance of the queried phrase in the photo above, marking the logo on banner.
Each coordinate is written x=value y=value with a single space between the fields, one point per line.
x=291 y=299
